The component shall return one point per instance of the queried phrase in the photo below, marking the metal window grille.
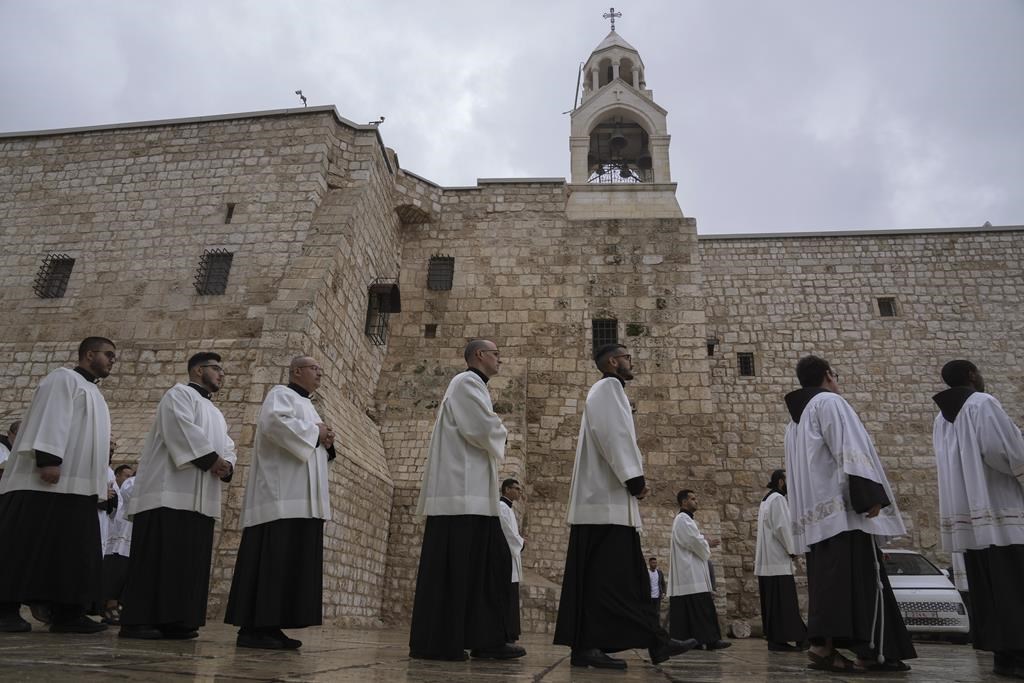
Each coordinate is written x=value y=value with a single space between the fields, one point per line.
x=212 y=274
x=377 y=313
x=745 y=361
x=887 y=307
x=605 y=331
x=440 y=272
x=52 y=279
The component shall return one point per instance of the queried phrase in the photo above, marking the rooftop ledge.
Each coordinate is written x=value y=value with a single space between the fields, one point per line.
x=893 y=232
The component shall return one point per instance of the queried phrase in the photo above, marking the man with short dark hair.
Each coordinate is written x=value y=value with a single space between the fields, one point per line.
x=511 y=490
x=279 y=573
x=174 y=507
x=605 y=604
x=55 y=477
x=773 y=566
x=691 y=610
x=462 y=591
x=842 y=509
x=117 y=548
x=980 y=456
x=658 y=585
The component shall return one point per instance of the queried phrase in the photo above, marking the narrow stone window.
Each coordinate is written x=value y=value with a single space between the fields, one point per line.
x=52 y=279
x=430 y=331
x=440 y=272
x=383 y=299
x=212 y=274
x=745 y=362
x=711 y=343
x=887 y=307
x=230 y=213
x=605 y=331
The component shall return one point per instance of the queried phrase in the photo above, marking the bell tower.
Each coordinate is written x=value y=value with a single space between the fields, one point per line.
x=619 y=139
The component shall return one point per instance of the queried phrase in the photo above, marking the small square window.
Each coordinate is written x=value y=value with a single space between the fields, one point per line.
x=52 y=279
x=440 y=272
x=887 y=307
x=212 y=274
x=605 y=331
x=745 y=363
x=430 y=331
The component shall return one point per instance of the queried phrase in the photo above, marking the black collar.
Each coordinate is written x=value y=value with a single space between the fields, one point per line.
x=479 y=374
x=621 y=381
x=86 y=374
x=797 y=400
x=506 y=501
x=951 y=401
x=770 y=492
x=201 y=390
x=298 y=390
x=687 y=513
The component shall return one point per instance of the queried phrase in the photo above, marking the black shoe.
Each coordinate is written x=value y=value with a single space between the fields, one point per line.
x=81 y=624
x=177 y=631
x=141 y=632
x=289 y=643
x=261 y=640
x=719 y=645
x=596 y=659
x=781 y=647
x=506 y=651
x=459 y=656
x=670 y=649
x=14 y=624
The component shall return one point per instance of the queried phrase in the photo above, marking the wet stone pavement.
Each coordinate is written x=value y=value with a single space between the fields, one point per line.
x=336 y=654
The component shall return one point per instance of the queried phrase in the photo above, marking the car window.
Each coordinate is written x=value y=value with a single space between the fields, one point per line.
x=912 y=564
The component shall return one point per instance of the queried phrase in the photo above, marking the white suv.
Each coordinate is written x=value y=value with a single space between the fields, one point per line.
x=929 y=602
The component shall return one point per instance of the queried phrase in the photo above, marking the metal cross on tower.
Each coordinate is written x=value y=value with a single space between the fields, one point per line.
x=612 y=14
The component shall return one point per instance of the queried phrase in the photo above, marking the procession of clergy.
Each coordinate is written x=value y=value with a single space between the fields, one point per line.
x=832 y=503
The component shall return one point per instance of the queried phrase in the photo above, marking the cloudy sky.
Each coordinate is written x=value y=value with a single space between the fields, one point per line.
x=785 y=116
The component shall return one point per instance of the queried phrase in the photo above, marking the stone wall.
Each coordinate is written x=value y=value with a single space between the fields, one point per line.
x=958 y=294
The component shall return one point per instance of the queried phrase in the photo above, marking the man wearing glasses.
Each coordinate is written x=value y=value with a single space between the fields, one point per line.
x=842 y=508
x=279 y=574
x=55 y=476
x=175 y=502
x=606 y=599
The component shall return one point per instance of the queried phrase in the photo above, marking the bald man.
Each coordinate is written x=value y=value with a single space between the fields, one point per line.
x=278 y=580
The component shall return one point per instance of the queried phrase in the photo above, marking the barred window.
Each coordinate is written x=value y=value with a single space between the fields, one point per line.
x=212 y=274
x=605 y=331
x=52 y=279
x=745 y=362
x=384 y=298
x=887 y=307
x=440 y=272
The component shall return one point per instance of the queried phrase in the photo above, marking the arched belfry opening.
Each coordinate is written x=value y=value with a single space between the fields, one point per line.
x=620 y=151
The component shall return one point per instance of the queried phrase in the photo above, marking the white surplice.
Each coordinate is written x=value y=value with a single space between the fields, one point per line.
x=107 y=519
x=68 y=418
x=466 y=447
x=823 y=450
x=980 y=457
x=688 y=574
x=774 y=537
x=119 y=540
x=607 y=456
x=510 y=527
x=187 y=426
x=288 y=475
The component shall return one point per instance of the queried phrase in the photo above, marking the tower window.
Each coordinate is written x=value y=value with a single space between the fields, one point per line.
x=52 y=279
x=605 y=331
x=887 y=307
x=430 y=331
x=383 y=300
x=229 y=213
x=440 y=272
x=212 y=274
x=745 y=363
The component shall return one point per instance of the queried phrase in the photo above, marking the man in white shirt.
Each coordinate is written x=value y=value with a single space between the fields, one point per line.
x=773 y=566
x=842 y=508
x=511 y=490
x=605 y=604
x=117 y=549
x=980 y=456
x=691 y=610
x=174 y=507
x=55 y=477
x=658 y=584
x=462 y=582
x=279 y=574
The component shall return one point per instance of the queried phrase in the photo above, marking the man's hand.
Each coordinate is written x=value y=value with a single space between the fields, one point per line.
x=110 y=492
x=221 y=468
x=50 y=474
x=643 y=494
x=326 y=435
x=715 y=542
x=873 y=512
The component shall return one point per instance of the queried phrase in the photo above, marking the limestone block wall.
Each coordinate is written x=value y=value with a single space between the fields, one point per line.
x=957 y=295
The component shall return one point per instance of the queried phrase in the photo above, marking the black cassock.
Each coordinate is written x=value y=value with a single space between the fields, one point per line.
x=606 y=592
x=279 y=575
x=462 y=587
x=994 y=578
x=694 y=616
x=780 y=610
